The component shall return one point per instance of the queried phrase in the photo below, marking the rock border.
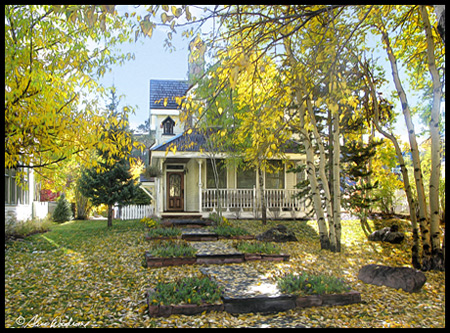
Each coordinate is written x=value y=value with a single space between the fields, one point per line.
x=256 y=304
x=211 y=259
x=201 y=238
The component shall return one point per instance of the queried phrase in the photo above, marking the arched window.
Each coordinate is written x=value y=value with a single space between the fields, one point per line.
x=168 y=125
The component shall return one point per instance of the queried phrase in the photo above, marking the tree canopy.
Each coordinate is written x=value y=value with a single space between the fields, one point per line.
x=53 y=59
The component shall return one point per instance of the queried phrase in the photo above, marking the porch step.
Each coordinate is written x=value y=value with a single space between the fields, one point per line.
x=181 y=216
x=189 y=221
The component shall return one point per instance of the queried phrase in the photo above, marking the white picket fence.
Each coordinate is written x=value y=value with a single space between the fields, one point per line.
x=133 y=212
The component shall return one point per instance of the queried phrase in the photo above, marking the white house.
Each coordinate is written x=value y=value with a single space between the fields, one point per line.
x=186 y=184
x=23 y=201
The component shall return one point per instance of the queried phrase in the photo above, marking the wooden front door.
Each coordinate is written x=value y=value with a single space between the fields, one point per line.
x=175 y=191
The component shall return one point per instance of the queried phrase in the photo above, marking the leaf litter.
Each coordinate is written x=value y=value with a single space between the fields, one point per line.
x=97 y=278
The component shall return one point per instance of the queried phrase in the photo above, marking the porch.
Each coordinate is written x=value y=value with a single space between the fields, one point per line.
x=246 y=203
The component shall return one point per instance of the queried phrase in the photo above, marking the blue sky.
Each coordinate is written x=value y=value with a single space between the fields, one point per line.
x=152 y=61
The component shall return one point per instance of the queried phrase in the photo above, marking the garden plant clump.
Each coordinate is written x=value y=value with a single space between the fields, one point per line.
x=151 y=222
x=258 y=247
x=172 y=249
x=187 y=290
x=163 y=232
x=229 y=231
x=308 y=284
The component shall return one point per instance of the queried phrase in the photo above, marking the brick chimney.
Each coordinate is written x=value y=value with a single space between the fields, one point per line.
x=196 y=59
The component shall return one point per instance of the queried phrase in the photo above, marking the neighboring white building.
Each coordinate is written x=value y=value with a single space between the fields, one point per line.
x=23 y=201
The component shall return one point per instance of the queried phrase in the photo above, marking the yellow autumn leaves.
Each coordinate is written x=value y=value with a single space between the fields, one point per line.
x=93 y=274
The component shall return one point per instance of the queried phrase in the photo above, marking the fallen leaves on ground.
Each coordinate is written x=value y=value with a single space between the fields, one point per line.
x=93 y=276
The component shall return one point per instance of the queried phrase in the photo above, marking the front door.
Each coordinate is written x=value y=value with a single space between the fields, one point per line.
x=175 y=191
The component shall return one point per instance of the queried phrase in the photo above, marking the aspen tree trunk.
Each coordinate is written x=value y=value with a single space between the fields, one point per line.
x=423 y=213
x=310 y=157
x=435 y=173
x=311 y=173
x=216 y=182
x=322 y=164
x=336 y=185
x=262 y=196
x=415 y=255
x=409 y=196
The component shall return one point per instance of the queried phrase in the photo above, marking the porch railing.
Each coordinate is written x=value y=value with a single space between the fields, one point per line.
x=248 y=199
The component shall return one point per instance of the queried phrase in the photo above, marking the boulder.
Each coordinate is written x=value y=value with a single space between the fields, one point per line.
x=277 y=234
x=391 y=235
x=405 y=278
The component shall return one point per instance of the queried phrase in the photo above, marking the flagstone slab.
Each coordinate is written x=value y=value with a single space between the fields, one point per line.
x=215 y=248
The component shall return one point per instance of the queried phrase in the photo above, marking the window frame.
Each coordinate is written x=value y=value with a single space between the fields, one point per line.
x=222 y=170
x=240 y=171
x=278 y=176
x=168 y=125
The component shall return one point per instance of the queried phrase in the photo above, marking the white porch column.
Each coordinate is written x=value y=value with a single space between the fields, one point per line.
x=200 y=185
x=159 y=183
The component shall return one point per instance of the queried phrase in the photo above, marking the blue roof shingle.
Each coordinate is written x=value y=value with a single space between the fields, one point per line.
x=161 y=89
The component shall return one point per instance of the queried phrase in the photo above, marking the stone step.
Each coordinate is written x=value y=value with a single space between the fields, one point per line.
x=181 y=216
x=185 y=222
x=197 y=234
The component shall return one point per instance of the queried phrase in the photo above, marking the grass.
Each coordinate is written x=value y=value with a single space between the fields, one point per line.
x=84 y=272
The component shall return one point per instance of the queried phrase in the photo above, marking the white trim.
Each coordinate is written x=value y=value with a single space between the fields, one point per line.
x=164 y=112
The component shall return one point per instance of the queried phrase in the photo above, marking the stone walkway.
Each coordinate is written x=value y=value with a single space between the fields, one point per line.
x=214 y=248
x=244 y=288
x=247 y=290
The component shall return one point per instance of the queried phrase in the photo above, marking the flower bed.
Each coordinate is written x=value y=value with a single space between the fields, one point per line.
x=189 y=296
x=163 y=233
x=175 y=253
x=307 y=284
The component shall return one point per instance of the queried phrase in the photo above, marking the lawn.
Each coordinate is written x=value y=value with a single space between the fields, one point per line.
x=82 y=274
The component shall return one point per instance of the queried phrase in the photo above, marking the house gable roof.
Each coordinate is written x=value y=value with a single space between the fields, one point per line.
x=161 y=89
x=168 y=119
x=196 y=141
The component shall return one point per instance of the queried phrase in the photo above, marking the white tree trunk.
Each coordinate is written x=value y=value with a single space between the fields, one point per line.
x=435 y=143
x=423 y=213
x=336 y=186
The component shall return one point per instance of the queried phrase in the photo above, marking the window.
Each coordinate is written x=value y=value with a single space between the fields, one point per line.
x=222 y=173
x=275 y=175
x=168 y=125
x=15 y=194
x=246 y=178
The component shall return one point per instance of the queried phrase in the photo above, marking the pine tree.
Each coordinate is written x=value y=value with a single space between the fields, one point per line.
x=108 y=183
x=114 y=185
x=63 y=210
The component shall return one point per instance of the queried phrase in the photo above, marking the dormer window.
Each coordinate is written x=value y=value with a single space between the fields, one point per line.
x=167 y=126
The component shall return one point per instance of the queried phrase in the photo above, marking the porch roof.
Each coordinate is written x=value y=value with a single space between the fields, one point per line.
x=184 y=142
x=196 y=141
